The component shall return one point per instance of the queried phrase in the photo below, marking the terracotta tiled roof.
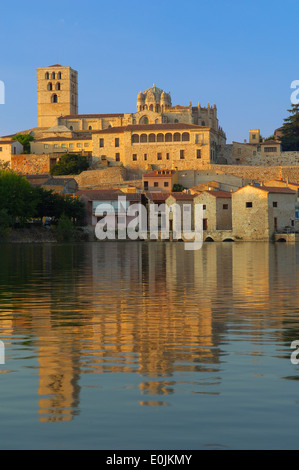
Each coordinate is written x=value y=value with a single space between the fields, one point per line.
x=157 y=196
x=272 y=141
x=219 y=193
x=91 y=116
x=276 y=189
x=269 y=189
x=7 y=142
x=107 y=194
x=62 y=139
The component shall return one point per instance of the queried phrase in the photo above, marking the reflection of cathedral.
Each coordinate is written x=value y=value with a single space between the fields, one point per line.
x=145 y=308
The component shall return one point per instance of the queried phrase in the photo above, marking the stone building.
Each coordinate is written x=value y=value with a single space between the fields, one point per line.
x=57 y=93
x=217 y=209
x=258 y=212
x=160 y=180
x=9 y=148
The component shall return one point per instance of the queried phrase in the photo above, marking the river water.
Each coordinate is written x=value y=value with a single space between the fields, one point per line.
x=143 y=345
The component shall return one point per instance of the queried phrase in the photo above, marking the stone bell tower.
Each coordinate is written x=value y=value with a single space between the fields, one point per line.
x=57 y=94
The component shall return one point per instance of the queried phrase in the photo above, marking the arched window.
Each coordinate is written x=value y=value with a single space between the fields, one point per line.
x=160 y=138
x=54 y=98
x=152 y=138
x=90 y=128
x=143 y=138
x=50 y=86
x=143 y=120
x=47 y=75
x=59 y=76
x=185 y=137
x=176 y=120
x=158 y=108
x=177 y=137
x=58 y=87
x=135 y=139
x=168 y=137
x=151 y=107
x=53 y=76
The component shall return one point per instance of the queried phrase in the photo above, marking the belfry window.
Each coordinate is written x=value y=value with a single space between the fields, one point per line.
x=54 y=99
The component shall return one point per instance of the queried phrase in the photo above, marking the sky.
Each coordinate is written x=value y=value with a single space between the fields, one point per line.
x=240 y=55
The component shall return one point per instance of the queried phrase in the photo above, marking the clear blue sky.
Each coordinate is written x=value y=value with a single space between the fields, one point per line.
x=241 y=55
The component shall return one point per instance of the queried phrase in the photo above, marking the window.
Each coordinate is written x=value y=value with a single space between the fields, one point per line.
x=159 y=156
x=86 y=144
x=0 y=149
x=101 y=142
x=47 y=75
x=248 y=204
x=198 y=153
x=156 y=184
x=166 y=184
x=59 y=76
x=117 y=142
x=167 y=156
x=71 y=146
x=205 y=224
x=50 y=87
x=46 y=146
x=56 y=146
x=90 y=128
x=270 y=149
x=204 y=207
x=79 y=145
x=54 y=99
x=117 y=157
x=225 y=206
x=182 y=154
x=145 y=184
x=274 y=204
x=71 y=128
x=58 y=87
x=53 y=76
x=203 y=123
x=134 y=157
x=253 y=136
x=145 y=156
x=63 y=145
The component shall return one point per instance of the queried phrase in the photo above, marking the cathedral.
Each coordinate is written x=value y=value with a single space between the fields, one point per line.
x=157 y=134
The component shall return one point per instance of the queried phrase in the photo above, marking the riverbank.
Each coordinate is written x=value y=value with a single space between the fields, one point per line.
x=44 y=235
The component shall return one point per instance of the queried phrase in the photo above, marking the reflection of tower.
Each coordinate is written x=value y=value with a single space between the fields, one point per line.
x=57 y=94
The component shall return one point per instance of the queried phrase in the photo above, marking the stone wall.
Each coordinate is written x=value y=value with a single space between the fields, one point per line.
x=31 y=164
x=260 y=173
x=101 y=178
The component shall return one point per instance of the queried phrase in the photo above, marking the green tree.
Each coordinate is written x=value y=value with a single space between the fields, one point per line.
x=65 y=229
x=55 y=205
x=70 y=164
x=25 y=140
x=17 y=196
x=290 y=130
x=178 y=188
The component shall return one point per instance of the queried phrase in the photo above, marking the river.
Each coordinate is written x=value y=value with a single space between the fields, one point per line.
x=143 y=345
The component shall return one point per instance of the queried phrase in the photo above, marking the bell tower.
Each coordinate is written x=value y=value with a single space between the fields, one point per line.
x=57 y=94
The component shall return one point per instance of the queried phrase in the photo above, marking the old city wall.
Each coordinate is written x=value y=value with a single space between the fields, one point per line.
x=31 y=164
x=260 y=173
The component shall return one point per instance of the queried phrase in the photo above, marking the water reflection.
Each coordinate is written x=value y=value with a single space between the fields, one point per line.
x=151 y=309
